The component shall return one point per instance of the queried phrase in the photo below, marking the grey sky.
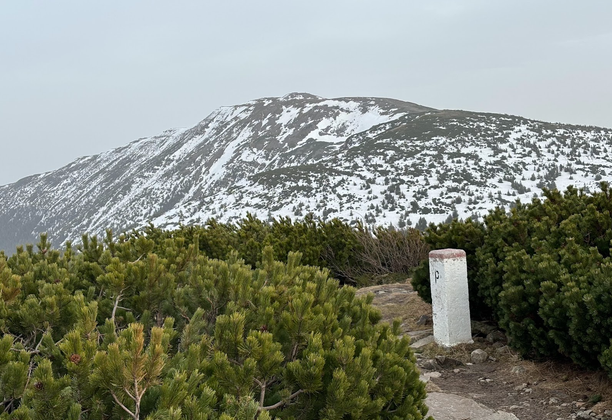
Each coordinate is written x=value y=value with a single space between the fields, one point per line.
x=81 y=77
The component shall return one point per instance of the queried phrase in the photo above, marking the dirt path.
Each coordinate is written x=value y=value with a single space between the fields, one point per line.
x=503 y=381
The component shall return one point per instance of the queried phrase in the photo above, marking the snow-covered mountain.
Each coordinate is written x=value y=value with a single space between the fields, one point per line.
x=380 y=160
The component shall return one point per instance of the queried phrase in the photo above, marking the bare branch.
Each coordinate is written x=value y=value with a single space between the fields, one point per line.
x=262 y=394
x=282 y=402
x=129 y=394
x=135 y=261
x=117 y=300
x=127 y=410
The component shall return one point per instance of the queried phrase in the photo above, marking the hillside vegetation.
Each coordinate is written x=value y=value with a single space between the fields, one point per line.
x=543 y=271
x=247 y=320
x=377 y=160
x=200 y=323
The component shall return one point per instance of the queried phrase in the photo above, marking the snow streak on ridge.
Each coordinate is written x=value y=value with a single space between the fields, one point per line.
x=380 y=160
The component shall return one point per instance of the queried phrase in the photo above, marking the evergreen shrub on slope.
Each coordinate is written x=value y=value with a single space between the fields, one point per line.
x=353 y=254
x=329 y=244
x=544 y=272
x=149 y=328
x=467 y=235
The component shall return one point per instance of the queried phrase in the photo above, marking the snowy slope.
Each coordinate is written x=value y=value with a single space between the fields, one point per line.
x=380 y=160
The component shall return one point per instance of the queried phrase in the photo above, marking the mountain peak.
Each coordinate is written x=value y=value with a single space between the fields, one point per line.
x=380 y=160
x=303 y=96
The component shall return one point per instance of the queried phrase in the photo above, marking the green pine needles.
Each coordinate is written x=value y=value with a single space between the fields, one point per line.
x=150 y=328
x=543 y=271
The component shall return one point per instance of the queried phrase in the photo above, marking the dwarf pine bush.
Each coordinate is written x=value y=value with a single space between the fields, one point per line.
x=544 y=272
x=149 y=327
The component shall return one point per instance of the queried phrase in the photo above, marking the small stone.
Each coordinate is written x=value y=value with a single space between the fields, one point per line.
x=599 y=408
x=419 y=332
x=501 y=348
x=423 y=342
x=415 y=336
x=518 y=370
x=427 y=376
x=481 y=328
x=424 y=320
x=479 y=356
x=496 y=337
x=583 y=414
x=431 y=387
x=553 y=400
x=429 y=364
x=448 y=361
x=520 y=387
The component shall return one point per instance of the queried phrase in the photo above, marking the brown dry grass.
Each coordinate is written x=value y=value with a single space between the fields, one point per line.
x=578 y=383
x=562 y=377
x=400 y=301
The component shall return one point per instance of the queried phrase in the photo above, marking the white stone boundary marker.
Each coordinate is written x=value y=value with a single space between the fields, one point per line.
x=450 y=297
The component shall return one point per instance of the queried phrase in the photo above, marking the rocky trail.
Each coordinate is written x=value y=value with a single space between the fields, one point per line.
x=486 y=380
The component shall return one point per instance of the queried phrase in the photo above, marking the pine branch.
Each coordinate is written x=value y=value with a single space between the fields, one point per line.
x=31 y=367
x=129 y=394
x=8 y=405
x=294 y=351
x=117 y=300
x=262 y=393
x=136 y=389
x=282 y=402
x=138 y=259
x=127 y=410
x=183 y=314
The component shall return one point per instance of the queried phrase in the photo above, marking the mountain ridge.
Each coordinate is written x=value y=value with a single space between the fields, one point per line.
x=377 y=159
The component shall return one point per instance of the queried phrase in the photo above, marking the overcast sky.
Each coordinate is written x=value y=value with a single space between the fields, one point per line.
x=81 y=77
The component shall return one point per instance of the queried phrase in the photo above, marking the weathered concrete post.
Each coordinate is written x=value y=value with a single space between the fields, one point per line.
x=449 y=297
